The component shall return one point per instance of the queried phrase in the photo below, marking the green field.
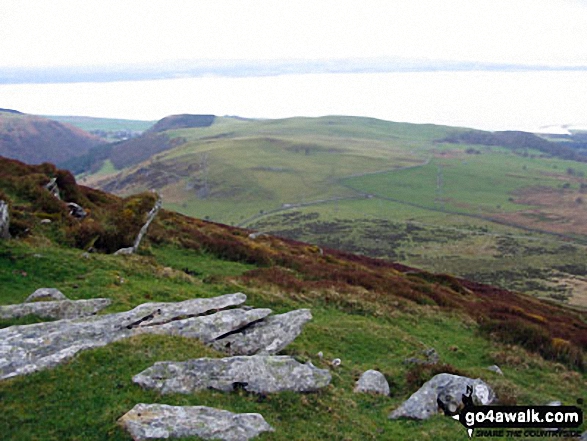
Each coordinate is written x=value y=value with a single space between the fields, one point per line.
x=513 y=218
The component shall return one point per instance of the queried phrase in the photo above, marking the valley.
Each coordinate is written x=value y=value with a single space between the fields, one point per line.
x=507 y=215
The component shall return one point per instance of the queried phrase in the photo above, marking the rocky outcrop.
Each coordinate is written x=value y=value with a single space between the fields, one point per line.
x=266 y=337
x=53 y=188
x=59 y=309
x=257 y=373
x=29 y=348
x=156 y=421
x=150 y=217
x=4 y=221
x=372 y=381
x=76 y=210
x=495 y=368
x=444 y=393
x=46 y=294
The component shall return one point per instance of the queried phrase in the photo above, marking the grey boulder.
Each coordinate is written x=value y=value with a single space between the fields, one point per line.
x=443 y=393
x=46 y=294
x=29 y=348
x=60 y=309
x=155 y=421
x=372 y=381
x=257 y=373
x=266 y=337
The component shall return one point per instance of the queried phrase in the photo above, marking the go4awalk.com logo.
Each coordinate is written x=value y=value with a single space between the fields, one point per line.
x=520 y=421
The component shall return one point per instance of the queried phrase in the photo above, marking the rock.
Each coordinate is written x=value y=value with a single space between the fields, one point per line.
x=266 y=337
x=59 y=309
x=495 y=368
x=4 y=221
x=257 y=373
x=336 y=362
x=45 y=221
x=257 y=235
x=53 y=188
x=29 y=348
x=76 y=211
x=46 y=294
x=155 y=421
x=125 y=251
x=583 y=436
x=444 y=392
x=431 y=355
x=372 y=381
x=320 y=355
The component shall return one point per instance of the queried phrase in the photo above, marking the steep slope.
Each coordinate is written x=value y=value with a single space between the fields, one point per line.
x=34 y=139
x=369 y=313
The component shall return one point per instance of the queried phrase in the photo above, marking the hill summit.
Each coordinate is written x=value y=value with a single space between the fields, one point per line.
x=184 y=121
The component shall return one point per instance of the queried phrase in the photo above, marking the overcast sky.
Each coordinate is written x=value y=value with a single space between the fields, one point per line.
x=492 y=64
x=114 y=32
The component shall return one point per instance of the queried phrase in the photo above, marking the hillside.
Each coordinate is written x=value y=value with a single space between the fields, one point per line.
x=35 y=139
x=508 y=213
x=371 y=314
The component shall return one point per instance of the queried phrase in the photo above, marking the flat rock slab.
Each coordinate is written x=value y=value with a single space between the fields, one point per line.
x=155 y=421
x=46 y=294
x=372 y=381
x=29 y=348
x=59 y=309
x=257 y=373
x=266 y=337
x=443 y=393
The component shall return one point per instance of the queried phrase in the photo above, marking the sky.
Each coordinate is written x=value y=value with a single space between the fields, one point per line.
x=219 y=45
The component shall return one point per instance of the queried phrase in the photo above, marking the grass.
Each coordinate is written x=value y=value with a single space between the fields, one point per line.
x=83 y=398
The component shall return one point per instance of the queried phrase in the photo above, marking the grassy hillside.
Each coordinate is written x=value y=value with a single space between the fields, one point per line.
x=35 y=139
x=506 y=215
x=369 y=313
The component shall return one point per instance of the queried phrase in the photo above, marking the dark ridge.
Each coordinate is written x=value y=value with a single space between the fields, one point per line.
x=184 y=121
x=11 y=111
x=516 y=141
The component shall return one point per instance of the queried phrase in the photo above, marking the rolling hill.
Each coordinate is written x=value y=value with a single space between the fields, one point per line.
x=500 y=209
x=372 y=314
x=35 y=139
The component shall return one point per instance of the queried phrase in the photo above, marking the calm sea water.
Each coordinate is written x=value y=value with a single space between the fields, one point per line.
x=485 y=100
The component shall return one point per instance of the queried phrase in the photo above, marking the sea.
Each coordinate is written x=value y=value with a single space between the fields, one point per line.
x=547 y=101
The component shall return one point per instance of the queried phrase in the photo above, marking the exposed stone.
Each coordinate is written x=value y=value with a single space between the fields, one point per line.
x=443 y=393
x=4 y=221
x=495 y=368
x=53 y=188
x=583 y=436
x=46 y=294
x=125 y=251
x=431 y=355
x=372 y=381
x=156 y=421
x=266 y=337
x=29 y=348
x=45 y=221
x=76 y=210
x=336 y=362
x=59 y=309
x=257 y=373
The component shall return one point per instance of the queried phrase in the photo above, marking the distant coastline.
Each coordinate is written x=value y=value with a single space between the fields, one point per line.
x=252 y=68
